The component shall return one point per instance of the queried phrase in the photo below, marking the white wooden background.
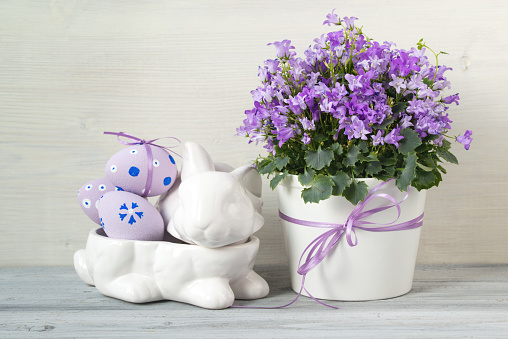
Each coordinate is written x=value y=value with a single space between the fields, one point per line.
x=71 y=69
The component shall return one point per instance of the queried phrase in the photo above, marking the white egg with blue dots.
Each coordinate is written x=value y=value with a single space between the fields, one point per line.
x=129 y=169
x=90 y=193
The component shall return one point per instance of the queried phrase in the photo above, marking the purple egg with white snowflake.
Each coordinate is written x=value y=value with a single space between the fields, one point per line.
x=89 y=195
x=126 y=215
x=129 y=170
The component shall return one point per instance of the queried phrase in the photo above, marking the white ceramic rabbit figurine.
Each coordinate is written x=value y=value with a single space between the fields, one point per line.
x=218 y=210
x=212 y=208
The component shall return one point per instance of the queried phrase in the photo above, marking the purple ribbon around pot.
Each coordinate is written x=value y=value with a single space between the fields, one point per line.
x=147 y=144
x=320 y=247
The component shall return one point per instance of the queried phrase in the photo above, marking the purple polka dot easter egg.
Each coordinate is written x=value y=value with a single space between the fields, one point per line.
x=89 y=195
x=126 y=215
x=129 y=170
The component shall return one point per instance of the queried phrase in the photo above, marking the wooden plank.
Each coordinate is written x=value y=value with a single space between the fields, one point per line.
x=70 y=70
x=447 y=301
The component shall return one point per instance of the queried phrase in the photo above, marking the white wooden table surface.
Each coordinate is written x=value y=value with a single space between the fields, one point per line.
x=446 y=302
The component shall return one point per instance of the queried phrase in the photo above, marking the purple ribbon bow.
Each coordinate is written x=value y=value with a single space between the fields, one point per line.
x=147 y=143
x=320 y=247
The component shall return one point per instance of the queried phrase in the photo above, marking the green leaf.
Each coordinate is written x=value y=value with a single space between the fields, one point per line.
x=425 y=180
x=441 y=168
x=369 y=158
x=266 y=166
x=446 y=144
x=276 y=179
x=431 y=137
x=319 y=159
x=425 y=168
x=362 y=145
x=307 y=176
x=439 y=177
x=264 y=162
x=340 y=182
x=427 y=160
x=321 y=189
x=408 y=97
x=428 y=82
x=359 y=170
x=351 y=156
x=355 y=192
x=373 y=167
x=334 y=167
x=408 y=173
x=447 y=155
x=424 y=148
x=387 y=159
x=337 y=148
x=410 y=142
x=384 y=124
x=435 y=158
x=386 y=174
x=399 y=107
x=420 y=44
x=319 y=138
x=281 y=162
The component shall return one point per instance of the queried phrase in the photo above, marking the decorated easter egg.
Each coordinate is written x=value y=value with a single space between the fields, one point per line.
x=129 y=170
x=90 y=193
x=126 y=215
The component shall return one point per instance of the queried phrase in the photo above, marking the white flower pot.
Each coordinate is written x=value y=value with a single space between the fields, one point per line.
x=380 y=266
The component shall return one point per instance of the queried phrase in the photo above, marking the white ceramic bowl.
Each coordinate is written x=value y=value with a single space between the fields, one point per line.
x=144 y=271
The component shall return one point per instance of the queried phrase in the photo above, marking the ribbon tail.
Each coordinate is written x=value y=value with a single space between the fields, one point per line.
x=302 y=287
x=319 y=301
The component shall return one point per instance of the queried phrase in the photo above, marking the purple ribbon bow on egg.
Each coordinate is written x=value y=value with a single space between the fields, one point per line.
x=320 y=247
x=147 y=143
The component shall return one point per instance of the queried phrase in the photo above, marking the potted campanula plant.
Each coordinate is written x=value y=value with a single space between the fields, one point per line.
x=355 y=131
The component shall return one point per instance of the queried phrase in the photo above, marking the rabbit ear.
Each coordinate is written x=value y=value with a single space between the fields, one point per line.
x=250 y=179
x=195 y=160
